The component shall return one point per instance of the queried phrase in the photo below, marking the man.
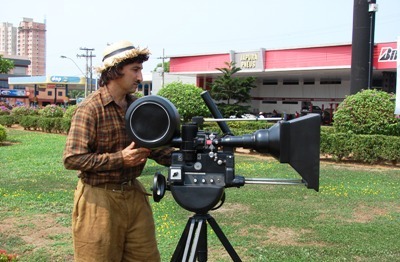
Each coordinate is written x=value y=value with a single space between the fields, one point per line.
x=112 y=218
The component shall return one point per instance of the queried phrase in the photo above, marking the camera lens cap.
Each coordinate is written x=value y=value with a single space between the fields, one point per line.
x=152 y=121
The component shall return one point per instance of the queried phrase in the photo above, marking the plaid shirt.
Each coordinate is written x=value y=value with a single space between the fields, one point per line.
x=96 y=139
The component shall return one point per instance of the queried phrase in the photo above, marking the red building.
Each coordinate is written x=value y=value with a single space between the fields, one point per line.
x=287 y=79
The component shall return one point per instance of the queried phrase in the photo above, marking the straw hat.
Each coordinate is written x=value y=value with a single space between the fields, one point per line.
x=118 y=52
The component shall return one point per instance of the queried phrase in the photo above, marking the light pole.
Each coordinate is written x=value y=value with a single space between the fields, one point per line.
x=63 y=56
x=372 y=9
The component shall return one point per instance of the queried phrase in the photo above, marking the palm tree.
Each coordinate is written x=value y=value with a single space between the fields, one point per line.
x=232 y=92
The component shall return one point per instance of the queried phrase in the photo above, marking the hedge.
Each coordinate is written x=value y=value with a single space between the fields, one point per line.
x=46 y=124
x=370 y=149
x=3 y=133
x=361 y=148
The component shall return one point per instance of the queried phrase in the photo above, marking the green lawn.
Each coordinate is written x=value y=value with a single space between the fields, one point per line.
x=354 y=217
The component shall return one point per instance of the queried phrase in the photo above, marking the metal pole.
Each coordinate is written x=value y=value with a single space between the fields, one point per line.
x=87 y=65
x=372 y=8
x=90 y=70
x=163 y=72
x=85 y=75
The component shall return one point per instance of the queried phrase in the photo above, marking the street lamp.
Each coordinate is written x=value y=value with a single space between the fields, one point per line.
x=63 y=56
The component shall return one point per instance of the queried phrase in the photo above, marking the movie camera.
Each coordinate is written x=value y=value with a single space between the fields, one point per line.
x=204 y=165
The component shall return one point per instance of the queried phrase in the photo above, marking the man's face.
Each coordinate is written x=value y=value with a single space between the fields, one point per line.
x=132 y=77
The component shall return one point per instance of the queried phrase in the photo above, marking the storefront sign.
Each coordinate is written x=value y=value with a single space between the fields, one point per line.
x=65 y=79
x=12 y=92
x=250 y=60
x=388 y=54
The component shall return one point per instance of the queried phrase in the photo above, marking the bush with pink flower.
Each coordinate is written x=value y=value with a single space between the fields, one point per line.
x=4 y=110
x=52 y=111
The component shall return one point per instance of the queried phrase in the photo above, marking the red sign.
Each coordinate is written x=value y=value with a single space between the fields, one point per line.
x=386 y=56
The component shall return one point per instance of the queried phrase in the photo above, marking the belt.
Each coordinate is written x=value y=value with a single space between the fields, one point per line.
x=125 y=186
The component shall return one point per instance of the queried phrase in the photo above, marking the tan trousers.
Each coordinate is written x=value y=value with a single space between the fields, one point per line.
x=113 y=225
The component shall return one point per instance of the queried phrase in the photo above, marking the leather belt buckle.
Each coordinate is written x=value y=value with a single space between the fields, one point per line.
x=124 y=185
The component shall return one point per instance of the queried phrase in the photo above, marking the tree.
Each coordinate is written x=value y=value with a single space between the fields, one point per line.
x=5 y=65
x=186 y=98
x=76 y=93
x=166 y=66
x=232 y=92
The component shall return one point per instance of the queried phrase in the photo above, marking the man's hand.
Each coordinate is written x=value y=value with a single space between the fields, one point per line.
x=134 y=156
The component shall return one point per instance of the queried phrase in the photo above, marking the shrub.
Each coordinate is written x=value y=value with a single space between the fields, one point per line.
x=52 y=111
x=367 y=112
x=69 y=112
x=29 y=122
x=7 y=120
x=4 y=110
x=46 y=124
x=65 y=124
x=20 y=111
x=186 y=98
x=3 y=133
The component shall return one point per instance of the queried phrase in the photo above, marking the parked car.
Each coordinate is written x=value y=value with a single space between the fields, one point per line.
x=314 y=109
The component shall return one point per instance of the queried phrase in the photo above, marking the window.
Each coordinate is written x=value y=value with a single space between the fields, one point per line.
x=332 y=81
x=290 y=82
x=309 y=81
x=270 y=82
x=49 y=93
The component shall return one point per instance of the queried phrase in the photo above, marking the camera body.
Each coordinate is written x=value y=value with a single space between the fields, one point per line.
x=200 y=170
x=204 y=164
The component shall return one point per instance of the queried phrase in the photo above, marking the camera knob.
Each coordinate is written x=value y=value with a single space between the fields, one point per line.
x=219 y=162
x=195 y=180
x=203 y=181
x=212 y=181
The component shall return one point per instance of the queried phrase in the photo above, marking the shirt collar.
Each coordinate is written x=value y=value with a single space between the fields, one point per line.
x=106 y=97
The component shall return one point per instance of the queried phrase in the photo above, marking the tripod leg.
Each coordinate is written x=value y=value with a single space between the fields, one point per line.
x=202 y=245
x=193 y=224
x=193 y=251
x=177 y=256
x=224 y=240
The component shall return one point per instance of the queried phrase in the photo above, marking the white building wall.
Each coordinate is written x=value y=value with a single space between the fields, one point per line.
x=282 y=98
x=158 y=79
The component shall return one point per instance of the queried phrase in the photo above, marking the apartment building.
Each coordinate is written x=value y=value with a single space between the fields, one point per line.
x=8 y=39
x=32 y=44
x=26 y=40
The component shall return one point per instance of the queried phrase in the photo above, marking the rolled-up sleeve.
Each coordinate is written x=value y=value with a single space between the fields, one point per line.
x=162 y=156
x=80 y=148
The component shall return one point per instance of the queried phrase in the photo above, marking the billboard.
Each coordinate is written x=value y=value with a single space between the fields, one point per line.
x=13 y=93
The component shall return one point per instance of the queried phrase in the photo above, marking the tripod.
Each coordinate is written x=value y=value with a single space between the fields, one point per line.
x=194 y=240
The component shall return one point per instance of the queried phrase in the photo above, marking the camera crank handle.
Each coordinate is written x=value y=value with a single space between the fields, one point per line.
x=159 y=187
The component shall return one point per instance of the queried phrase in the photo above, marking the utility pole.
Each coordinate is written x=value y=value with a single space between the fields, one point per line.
x=362 y=46
x=163 y=69
x=89 y=72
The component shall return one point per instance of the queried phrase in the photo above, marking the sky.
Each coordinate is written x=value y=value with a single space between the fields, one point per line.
x=187 y=27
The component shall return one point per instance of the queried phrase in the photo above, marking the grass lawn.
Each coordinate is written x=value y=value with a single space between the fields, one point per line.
x=354 y=217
